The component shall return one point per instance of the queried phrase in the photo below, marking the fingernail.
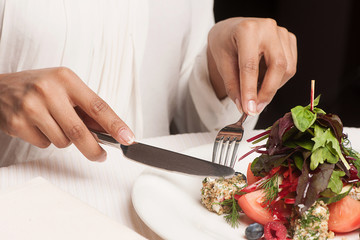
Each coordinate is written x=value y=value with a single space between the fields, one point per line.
x=252 y=108
x=260 y=107
x=126 y=135
x=237 y=102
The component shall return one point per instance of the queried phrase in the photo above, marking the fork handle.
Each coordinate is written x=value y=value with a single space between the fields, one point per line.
x=241 y=120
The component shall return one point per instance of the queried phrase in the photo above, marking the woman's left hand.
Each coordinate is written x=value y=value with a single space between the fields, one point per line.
x=236 y=47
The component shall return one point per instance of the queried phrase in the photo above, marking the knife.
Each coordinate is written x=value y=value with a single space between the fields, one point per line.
x=165 y=159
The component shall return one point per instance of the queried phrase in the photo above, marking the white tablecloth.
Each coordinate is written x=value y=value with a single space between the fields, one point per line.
x=107 y=186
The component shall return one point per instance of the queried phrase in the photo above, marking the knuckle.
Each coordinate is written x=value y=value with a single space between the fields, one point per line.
x=283 y=30
x=245 y=25
x=14 y=124
x=62 y=71
x=76 y=132
x=116 y=125
x=280 y=64
x=291 y=71
x=29 y=106
x=270 y=22
x=98 y=106
x=292 y=37
x=250 y=66
x=63 y=74
x=42 y=86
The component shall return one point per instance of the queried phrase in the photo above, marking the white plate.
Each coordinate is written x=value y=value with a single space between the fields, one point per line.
x=169 y=204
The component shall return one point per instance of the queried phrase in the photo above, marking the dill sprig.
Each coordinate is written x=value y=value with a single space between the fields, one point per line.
x=233 y=216
x=349 y=150
x=271 y=189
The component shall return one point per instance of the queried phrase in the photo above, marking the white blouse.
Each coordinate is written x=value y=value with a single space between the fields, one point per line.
x=146 y=59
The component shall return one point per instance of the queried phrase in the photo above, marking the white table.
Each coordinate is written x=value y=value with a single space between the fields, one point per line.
x=107 y=186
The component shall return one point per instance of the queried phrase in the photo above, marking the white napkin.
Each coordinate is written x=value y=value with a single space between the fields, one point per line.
x=39 y=210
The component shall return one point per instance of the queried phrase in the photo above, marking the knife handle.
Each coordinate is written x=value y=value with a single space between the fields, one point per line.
x=106 y=139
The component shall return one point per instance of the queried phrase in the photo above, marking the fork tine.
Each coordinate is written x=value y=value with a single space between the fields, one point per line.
x=227 y=143
x=215 y=147
x=216 y=150
x=233 y=157
x=223 y=147
x=228 y=152
x=221 y=152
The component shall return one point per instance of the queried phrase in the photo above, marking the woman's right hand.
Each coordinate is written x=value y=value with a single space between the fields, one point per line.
x=44 y=106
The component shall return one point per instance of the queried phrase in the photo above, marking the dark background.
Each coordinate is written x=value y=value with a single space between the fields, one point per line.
x=328 y=41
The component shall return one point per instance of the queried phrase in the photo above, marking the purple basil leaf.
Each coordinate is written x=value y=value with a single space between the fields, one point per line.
x=264 y=163
x=333 y=121
x=274 y=141
x=279 y=128
x=311 y=184
x=285 y=123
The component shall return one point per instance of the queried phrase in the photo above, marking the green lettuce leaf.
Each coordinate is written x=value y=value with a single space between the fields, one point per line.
x=320 y=155
x=303 y=118
x=326 y=141
x=335 y=198
x=335 y=183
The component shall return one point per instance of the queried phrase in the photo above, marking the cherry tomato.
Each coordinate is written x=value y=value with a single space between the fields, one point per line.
x=250 y=176
x=251 y=204
x=344 y=215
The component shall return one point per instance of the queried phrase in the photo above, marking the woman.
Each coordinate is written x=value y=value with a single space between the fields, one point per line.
x=129 y=66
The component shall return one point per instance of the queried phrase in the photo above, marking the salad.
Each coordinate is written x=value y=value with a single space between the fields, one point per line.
x=305 y=184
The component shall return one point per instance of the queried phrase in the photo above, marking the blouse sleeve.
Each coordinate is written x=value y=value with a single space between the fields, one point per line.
x=198 y=107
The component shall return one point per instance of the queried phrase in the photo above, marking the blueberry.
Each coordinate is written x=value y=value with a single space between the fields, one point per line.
x=254 y=231
x=241 y=175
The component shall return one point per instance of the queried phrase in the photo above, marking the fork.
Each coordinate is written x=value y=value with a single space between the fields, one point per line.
x=227 y=143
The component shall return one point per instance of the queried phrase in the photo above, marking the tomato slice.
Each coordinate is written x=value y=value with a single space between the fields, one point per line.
x=250 y=203
x=344 y=215
x=250 y=176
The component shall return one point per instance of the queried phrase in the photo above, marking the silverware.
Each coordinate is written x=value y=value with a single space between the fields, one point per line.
x=165 y=159
x=227 y=143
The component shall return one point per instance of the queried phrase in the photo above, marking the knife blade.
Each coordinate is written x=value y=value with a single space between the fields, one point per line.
x=165 y=159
